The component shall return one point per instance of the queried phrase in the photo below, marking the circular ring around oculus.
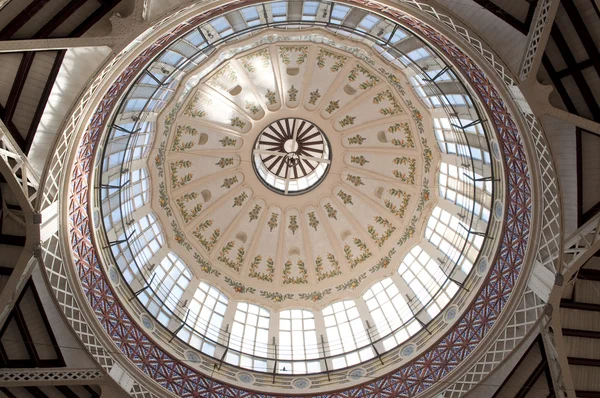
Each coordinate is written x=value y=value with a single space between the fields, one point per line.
x=291 y=156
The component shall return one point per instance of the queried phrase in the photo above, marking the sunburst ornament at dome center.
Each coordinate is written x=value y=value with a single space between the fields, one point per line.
x=291 y=156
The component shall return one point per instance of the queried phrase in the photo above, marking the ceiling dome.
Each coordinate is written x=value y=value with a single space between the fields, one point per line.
x=294 y=168
x=260 y=189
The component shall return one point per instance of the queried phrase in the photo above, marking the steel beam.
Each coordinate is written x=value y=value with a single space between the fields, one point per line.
x=539 y=32
x=11 y=46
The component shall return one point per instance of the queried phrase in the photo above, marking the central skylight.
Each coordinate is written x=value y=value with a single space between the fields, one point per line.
x=291 y=156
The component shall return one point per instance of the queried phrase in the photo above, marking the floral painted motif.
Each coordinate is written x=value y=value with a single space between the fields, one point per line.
x=389 y=230
x=409 y=231
x=347 y=121
x=266 y=277
x=227 y=71
x=293 y=226
x=357 y=139
x=322 y=274
x=404 y=199
x=315 y=296
x=272 y=223
x=276 y=297
x=345 y=197
x=226 y=141
x=253 y=214
x=314 y=97
x=262 y=55
x=159 y=160
x=359 y=160
x=384 y=262
x=333 y=105
x=407 y=142
x=293 y=93
x=188 y=215
x=209 y=243
x=252 y=107
x=205 y=266
x=417 y=117
x=163 y=199
x=371 y=81
x=331 y=212
x=229 y=182
x=352 y=283
x=177 y=182
x=427 y=155
x=393 y=109
x=364 y=255
x=179 y=236
x=340 y=60
x=177 y=146
x=294 y=280
x=355 y=180
x=271 y=97
x=237 y=122
x=224 y=162
x=191 y=110
x=239 y=200
x=312 y=220
x=239 y=287
x=284 y=54
x=412 y=167
x=425 y=195
x=239 y=259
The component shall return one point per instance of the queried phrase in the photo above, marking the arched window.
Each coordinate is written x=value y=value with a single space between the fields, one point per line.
x=137 y=251
x=250 y=335
x=454 y=185
x=207 y=310
x=389 y=311
x=172 y=278
x=447 y=233
x=425 y=278
x=345 y=332
x=298 y=340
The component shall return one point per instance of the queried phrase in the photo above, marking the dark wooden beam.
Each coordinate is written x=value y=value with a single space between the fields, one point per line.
x=66 y=392
x=583 y=33
x=584 y=361
x=503 y=15
x=92 y=392
x=568 y=304
x=587 y=334
x=6 y=271
x=36 y=392
x=39 y=111
x=7 y=393
x=558 y=85
x=589 y=274
x=18 y=84
x=580 y=66
x=21 y=19
x=12 y=240
x=531 y=380
x=516 y=367
x=59 y=19
x=59 y=361
x=94 y=17
x=580 y=81
x=587 y=394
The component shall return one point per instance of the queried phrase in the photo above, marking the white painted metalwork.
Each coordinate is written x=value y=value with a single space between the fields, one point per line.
x=538 y=36
x=48 y=376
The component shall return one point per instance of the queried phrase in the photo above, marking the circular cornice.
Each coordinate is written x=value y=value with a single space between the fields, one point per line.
x=425 y=369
